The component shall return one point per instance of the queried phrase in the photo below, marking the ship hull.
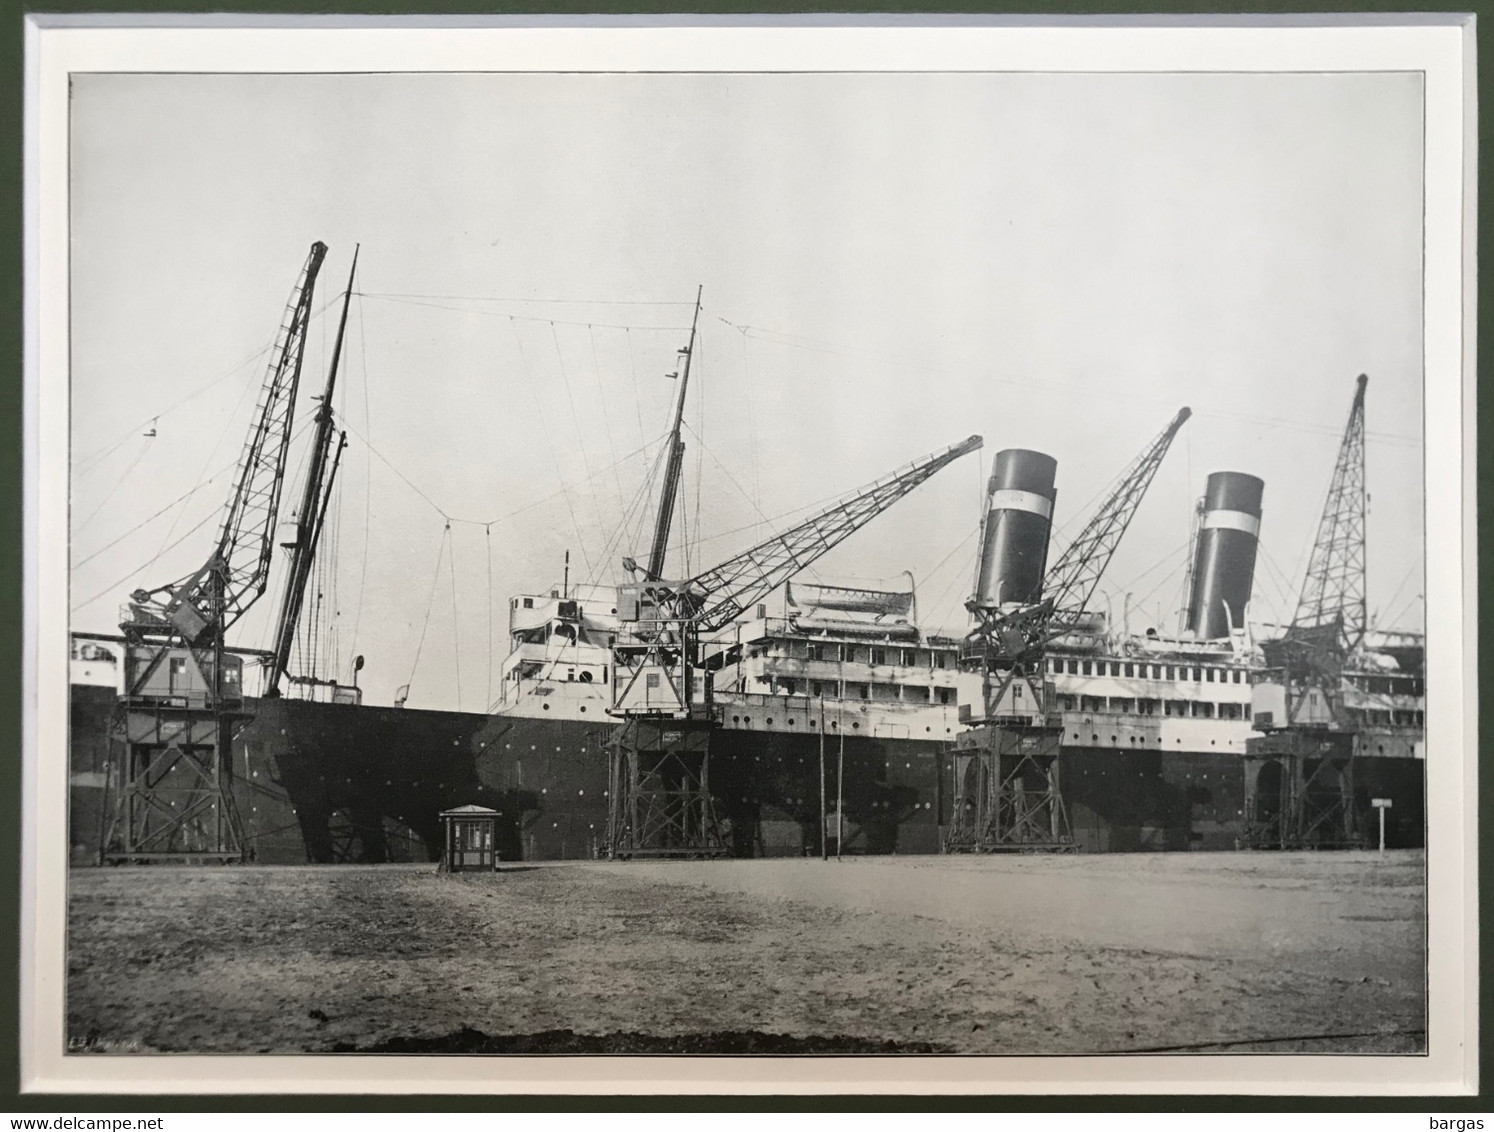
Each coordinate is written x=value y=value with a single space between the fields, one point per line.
x=319 y=782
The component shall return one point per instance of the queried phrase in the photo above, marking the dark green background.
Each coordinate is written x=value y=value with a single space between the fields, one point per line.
x=11 y=221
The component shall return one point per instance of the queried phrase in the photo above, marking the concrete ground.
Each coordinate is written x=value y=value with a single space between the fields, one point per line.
x=1027 y=954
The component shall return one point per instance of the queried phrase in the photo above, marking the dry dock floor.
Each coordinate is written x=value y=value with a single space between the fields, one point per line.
x=1225 y=952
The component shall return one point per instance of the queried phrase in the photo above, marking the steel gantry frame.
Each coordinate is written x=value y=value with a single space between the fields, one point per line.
x=173 y=726
x=1006 y=795
x=660 y=803
x=1299 y=773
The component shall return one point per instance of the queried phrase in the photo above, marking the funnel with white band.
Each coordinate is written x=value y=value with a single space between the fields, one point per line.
x=1019 y=512
x=1224 y=566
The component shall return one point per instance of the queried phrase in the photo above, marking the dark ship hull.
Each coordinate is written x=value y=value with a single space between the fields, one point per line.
x=327 y=783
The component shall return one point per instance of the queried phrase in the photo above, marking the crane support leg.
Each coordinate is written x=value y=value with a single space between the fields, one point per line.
x=174 y=777
x=1006 y=796
x=1299 y=792
x=171 y=752
x=660 y=791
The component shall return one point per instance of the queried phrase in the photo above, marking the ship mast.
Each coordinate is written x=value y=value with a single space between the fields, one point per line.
x=674 y=456
x=313 y=507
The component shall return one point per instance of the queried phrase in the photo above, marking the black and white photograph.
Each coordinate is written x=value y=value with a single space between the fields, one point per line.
x=859 y=559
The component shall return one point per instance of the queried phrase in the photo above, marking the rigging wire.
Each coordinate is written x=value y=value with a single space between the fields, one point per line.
x=233 y=418
x=700 y=415
x=528 y=299
x=456 y=621
x=441 y=511
x=115 y=486
x=154 y=516
x=637 y=389
x=938 y=604
x=805 y=342
x=488 y=536
x=89 y=462
x=144 y=567
x=631 y=524
x=1406 y=577
x=580 y=437
x=596 y=367
x=429 y=605
x=206 y=519
x=520 y=317
x=367 y=481
x=545 y=424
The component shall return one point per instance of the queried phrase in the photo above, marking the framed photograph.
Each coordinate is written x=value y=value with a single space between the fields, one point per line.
x=909 y=555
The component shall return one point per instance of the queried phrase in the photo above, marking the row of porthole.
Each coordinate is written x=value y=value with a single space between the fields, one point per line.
x=1139 y=739
x=746 y=720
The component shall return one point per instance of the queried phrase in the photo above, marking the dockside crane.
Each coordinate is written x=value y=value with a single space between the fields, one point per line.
x=1299 y=773
x=183 y=692
x=1006 y=795
x=659 y=768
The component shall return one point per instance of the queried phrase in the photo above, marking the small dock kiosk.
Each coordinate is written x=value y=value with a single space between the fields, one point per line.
x=471 y=840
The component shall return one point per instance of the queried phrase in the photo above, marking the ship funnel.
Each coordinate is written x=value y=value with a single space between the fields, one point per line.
x=1224 y=565
x=1019 y=513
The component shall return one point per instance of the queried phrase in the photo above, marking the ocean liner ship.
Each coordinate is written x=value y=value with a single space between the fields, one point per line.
x=835 y=716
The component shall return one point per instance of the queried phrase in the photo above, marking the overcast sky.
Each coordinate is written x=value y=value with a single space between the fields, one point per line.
x=890 y=263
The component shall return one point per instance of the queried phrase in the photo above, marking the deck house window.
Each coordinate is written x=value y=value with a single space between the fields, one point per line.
x=1073 y=668
x=1088 y=668
x=944 y=694
x=847 y=653
x=813 y=652
x=938 y=660
x=1130 y=670
x=879 y=656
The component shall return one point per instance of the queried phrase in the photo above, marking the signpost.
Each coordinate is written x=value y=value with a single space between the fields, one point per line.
x=1381 y=804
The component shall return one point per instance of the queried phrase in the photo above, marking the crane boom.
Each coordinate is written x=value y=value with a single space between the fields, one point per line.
x=1071 y=581
x=713 y=598
x=183 y=695
x=662 y=802
x=1333 y=594
x=236 y=574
